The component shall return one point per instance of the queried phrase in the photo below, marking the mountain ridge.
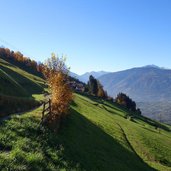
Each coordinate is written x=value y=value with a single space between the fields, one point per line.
x=133 y=81
x=85 y=77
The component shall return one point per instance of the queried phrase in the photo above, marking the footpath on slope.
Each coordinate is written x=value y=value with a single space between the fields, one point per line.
x=8 y=117
x=21 y=113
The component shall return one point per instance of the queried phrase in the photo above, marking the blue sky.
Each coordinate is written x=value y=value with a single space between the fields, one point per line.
x=95 y=35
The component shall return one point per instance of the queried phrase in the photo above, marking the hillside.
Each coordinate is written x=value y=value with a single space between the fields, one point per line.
x=19 y=90
x=17 y=82
x=9 y=86
x=95 y=136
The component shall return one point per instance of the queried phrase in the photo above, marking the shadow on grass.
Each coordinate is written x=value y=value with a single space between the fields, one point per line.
x=27 y=84
x=79 y=145
x=93 y=149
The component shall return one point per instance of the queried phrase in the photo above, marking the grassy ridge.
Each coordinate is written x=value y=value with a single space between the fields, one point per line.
x=95 y=136
x=9 y=86
x=17 y=82
x=18 y=89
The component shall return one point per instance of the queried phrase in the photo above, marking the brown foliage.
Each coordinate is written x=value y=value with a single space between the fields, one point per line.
x=101 y=93
x=56 y=73
x=21 y=61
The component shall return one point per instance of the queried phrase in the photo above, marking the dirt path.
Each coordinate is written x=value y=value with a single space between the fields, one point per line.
x=14 y=114
x=21 y=113
x=128 y=142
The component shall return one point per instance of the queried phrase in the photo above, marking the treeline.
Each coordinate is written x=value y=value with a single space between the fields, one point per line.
x=18 y=59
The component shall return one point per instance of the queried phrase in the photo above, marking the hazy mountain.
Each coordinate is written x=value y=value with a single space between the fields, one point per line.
x=85 y=77
x=143 y=84
x=74 y=75
x=160 y=111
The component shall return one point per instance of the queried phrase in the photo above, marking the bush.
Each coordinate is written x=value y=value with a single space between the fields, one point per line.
x=56 y=74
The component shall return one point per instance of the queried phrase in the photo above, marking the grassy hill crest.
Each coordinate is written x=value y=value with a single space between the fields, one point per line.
x=17 y=82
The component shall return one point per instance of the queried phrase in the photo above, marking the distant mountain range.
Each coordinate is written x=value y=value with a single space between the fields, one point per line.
x=144 y=84
x=160 y=111
x=85 y=77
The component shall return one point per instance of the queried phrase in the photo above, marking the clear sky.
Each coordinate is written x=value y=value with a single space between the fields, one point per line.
x=108 y=35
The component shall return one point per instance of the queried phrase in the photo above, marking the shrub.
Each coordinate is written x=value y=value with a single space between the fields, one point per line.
x=56 y=74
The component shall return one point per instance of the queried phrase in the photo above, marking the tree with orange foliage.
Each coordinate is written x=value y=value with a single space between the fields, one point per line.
x=56 y=74
x=21 y=61
x=101 y=92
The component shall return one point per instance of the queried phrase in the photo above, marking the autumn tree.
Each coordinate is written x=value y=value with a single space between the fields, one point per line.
x=127 y=102
x=101 y=92
x=56 y=74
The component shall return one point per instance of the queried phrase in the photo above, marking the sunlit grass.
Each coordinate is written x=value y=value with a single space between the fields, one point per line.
x=95 y=136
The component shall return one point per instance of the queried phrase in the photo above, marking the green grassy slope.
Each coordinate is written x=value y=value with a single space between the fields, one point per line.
x=19 y=90
x=9 y=86
x=17 y=82
x=95 y=136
